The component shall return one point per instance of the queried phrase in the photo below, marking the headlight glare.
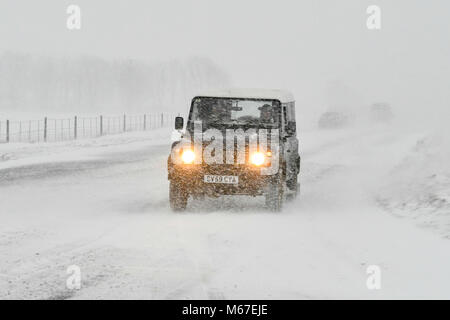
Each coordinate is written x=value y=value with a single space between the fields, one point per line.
x=257 y=159
x=188 y=156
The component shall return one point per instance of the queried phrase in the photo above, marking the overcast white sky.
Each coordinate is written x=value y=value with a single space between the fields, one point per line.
x=302 y=46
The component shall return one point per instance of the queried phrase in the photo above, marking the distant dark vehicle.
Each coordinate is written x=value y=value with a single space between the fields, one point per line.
x=380 y=112
x=333 y=120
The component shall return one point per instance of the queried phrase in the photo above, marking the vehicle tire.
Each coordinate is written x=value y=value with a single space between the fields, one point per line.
x=178 y=197
x=292 y=183
x=274 y=196
x=293 y=188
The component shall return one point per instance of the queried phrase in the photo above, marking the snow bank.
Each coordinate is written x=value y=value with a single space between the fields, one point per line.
x=419 y=187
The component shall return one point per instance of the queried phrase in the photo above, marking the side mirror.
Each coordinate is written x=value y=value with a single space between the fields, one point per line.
x=291 y=128
x=179 y=123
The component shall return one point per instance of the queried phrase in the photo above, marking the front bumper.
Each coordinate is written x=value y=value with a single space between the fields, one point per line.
x=191 y=178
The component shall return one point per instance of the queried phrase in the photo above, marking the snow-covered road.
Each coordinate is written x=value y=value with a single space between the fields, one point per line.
x=105 y=209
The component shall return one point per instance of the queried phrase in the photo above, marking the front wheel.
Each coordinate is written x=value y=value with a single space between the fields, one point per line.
x=293 y=187
x=178 y=197
x=274 y=196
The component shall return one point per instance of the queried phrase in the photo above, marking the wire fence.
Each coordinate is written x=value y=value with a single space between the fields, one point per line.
x=57 y=129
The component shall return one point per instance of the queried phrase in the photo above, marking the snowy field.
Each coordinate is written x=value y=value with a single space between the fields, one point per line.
x=370 y=196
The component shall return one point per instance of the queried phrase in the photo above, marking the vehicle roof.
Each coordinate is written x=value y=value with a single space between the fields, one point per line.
x=283 y=96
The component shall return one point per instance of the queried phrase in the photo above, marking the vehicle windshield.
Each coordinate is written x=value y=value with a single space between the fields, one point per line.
x=224 y=112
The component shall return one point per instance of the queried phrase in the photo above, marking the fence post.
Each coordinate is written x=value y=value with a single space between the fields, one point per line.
x=124 y=123
x=145 y=122
x=101 y=125
x=75 y=127
x=7 y=130
x=45 y=129
x=162 y=120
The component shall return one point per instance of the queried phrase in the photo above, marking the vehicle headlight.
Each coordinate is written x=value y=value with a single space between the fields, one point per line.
x=257 y=158
x=188 y=156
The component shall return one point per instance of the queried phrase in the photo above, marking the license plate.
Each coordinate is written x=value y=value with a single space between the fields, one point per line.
x=221 y=179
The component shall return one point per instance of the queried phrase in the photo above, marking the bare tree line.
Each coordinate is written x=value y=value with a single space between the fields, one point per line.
x=30 y=83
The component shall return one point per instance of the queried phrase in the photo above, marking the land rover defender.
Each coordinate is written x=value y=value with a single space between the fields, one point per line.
x=236 y=142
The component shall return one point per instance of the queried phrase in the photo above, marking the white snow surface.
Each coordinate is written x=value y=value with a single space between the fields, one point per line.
x=102 y=205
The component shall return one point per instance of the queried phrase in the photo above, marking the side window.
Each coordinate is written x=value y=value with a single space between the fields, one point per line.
x=291 y=111
x=285 y=114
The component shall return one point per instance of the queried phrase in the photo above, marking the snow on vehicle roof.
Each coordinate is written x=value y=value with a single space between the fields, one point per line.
x=283 y=96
